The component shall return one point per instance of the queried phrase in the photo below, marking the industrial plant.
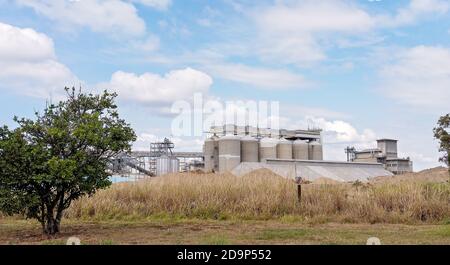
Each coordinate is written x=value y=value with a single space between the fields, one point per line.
x=295 y=154
x=231 y=145
x=385 y=153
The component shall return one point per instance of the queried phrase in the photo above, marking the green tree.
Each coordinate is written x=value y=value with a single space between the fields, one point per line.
x=442 y=133
x=60 y=156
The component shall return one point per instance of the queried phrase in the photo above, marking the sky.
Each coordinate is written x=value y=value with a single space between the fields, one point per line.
x=359 y=70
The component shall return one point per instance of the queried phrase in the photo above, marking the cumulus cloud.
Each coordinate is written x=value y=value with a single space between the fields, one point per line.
x=299 y=32
x=290 y=31
x=150 y=88
x=418 y=76
x=258 y=76
x=111 y=16
x=29 y=64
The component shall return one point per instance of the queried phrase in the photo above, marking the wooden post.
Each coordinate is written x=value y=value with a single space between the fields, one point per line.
x=299 y=192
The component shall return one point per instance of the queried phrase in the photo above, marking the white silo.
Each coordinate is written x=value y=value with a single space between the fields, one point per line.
x=300 y=150
x=267 y=149
x=284 y=149
x=166 y=165
x=249 y=149
x=315 y=151
x=229 y=152
x=211 y=154
x=174 y=165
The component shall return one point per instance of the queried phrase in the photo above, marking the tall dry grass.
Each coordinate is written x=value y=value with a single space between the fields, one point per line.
x=263 y=195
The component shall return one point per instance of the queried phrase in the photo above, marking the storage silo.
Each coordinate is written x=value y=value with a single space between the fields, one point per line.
x=174 y=165
x=284 y=149
x=300 y=150
x=166 y=165
x=315 y=151
x=211 y=154
x=229 y=152
x=249 y=149
x=162 y=165
x=267 y=149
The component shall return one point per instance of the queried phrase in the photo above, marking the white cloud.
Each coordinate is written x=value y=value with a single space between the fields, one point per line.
x=158 y=4
x=257 y=76
x=299 y=32
x=290 y=32
x=315 y=16
x=18 y=44
x=29 y=65
x=111 y=16
x=417 y=9
x=419 y=76
x=150 y=88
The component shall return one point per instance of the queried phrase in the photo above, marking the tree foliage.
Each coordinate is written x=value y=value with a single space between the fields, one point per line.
x=61 y=155
x=442 y=133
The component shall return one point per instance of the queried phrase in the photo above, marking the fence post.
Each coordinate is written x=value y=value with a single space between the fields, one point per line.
x=298 y=180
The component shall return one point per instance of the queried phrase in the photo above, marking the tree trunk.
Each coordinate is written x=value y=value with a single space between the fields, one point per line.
x=51 y=224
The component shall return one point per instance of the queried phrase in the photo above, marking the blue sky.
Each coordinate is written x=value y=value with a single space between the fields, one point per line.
x=360 y=70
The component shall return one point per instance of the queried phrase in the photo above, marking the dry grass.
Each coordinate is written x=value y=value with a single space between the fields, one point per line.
x=263 y=195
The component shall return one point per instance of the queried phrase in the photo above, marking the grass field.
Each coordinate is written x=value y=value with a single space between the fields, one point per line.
x=262 y=195
x=222 y=232
x=260 y=208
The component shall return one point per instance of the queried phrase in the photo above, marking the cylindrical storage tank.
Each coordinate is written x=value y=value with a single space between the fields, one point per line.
x=163 y=165
x=267 y=149
x=210 y=153
x=174 y=165
x=249 y=149
x=315 y=151
x=300 y=150
x=284 y=149
x=229 y=152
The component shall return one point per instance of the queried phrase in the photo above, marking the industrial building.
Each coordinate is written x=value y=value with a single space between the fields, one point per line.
x=290 y=153
x=158 y=161
x=385 y=153
x=231 y=145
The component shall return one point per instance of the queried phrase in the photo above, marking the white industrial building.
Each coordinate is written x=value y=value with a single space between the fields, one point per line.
x=289 y=153
x=385 y=153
